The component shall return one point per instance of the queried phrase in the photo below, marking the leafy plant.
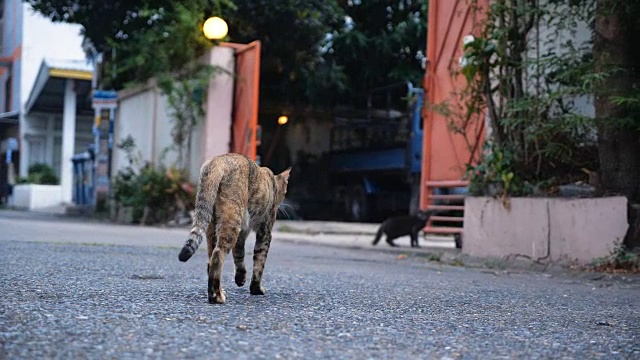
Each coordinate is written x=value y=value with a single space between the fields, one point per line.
x=620 y=259
x=434 y=257
x=137 y=39
x=186 y=94
x=494 y=175
x=528 y=82
x=155 y=193
x=41 y=174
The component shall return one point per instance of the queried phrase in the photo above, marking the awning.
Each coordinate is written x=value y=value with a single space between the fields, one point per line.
x=47 y=94
x=11 y=117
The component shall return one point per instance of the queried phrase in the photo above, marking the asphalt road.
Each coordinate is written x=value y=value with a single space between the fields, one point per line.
x=83 y=290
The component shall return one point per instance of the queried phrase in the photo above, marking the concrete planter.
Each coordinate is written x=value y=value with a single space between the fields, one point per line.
x=32 y=196
x=553 y=229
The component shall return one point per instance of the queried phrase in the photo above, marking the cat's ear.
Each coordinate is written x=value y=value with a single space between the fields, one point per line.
x=285 y=175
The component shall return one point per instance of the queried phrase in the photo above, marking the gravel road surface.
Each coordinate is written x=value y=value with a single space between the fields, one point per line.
x=77 y=290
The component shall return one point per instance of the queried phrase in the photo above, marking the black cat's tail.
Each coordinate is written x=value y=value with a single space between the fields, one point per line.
x=205 y=199
x=378 y=236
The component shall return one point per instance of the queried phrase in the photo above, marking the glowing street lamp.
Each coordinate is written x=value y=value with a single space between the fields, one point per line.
x=283 y=120
x=215 y=28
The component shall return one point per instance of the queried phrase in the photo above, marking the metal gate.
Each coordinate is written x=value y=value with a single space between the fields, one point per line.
x=446 y=153
x=244 y=139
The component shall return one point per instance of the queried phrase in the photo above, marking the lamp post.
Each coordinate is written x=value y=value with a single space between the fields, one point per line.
x=215 y=28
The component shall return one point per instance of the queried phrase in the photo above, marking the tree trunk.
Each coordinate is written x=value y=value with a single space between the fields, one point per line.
x=618 y=146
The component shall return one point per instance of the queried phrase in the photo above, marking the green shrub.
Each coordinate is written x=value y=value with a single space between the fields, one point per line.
x=621 y=259
x=41 y=174
x=154 y=192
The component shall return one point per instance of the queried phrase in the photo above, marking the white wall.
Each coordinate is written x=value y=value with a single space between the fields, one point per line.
x=144 y=114
x=138 y=116
x=42 y=38
x=553 y=40
x=216 y=129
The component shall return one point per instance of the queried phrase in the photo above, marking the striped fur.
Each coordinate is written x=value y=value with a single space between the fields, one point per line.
x=234 y=196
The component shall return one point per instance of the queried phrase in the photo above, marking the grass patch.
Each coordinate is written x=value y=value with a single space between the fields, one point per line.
x=620 y=260
x=286 y=228
x=456 y=262
x=434 y=257
x=494 y=264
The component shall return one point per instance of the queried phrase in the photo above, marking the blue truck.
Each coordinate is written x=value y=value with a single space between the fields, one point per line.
x=375 y=156
x=373 y=167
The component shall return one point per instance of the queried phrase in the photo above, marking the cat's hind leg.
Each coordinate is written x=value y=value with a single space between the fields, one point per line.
x=211 y=241
x=263 y=241
x=390 y=241
x=228 y=229
x=238 y=257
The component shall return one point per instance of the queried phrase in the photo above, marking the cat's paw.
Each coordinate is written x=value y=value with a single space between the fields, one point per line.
x=257 y=289
x=219 y=298
x=241 y=278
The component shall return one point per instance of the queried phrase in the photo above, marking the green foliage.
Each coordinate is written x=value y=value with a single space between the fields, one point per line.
x=631 y=103
x=41 y=174
x=494 y=175
x=620 y=259
x=538 y=135
x=494 y=264
x=381 y=42
x=434 y=257
x=321 y=52
x=293 y=34
x=186 y=93
x=310 y=53
x=138 y=38
x=154 y=193
x=124 y=188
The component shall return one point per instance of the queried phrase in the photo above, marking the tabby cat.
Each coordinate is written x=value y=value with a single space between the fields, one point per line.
x=234 y=196
x=397 y=226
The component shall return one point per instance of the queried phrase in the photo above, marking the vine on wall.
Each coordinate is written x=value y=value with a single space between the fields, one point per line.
x=186 y=95
x=528 y=70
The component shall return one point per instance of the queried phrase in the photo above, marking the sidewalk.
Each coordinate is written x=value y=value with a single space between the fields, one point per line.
x=352 y=235
x=358 y=235
x=14 y=224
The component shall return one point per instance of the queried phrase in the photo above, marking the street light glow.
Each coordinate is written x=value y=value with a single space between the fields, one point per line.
x=215 y=28
x=283 y=120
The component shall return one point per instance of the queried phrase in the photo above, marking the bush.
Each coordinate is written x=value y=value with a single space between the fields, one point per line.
x=156 y=194
x=540 y=138
x=621 y=259
x=41 y=174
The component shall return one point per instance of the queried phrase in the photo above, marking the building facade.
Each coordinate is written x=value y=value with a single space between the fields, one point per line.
x=45 y=96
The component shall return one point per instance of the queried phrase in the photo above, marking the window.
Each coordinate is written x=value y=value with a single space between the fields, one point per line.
x=37 y=150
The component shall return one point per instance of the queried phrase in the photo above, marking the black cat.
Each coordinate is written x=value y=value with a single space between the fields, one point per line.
x=397 y=226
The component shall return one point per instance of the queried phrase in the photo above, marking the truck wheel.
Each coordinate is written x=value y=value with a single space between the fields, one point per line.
x=359 y=205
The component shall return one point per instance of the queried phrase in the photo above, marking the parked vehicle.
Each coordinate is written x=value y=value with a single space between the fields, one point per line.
x=375 y=155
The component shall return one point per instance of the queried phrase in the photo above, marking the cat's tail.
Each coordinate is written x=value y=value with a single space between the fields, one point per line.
x=205 y=200
x=378 y=236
